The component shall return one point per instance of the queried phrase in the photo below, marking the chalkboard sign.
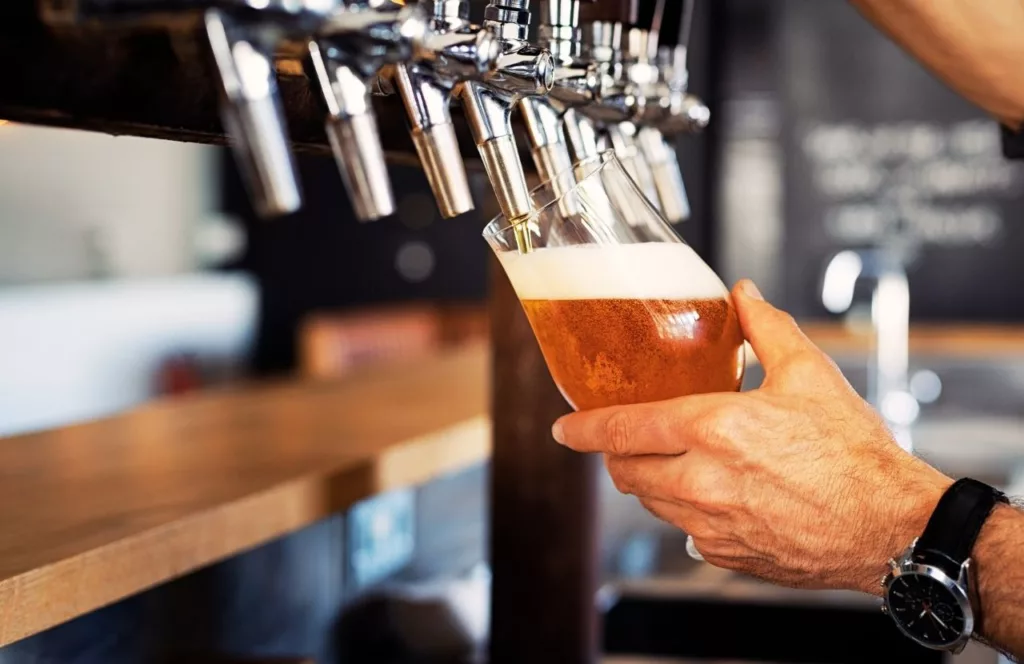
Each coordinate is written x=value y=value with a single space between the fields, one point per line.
x=877 y=151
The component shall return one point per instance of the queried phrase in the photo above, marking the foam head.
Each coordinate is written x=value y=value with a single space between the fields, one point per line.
x=647 y=271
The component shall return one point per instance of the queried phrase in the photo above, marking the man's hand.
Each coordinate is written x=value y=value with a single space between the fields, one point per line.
x=798 y=482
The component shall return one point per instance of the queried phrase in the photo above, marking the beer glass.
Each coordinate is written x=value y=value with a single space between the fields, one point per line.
x=624 y=311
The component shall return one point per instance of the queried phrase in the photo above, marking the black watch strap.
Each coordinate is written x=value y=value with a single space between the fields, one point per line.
x=1013 y=143
x=957 y=520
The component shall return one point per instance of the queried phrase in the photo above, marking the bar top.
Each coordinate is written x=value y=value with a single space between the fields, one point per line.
x=94 y=513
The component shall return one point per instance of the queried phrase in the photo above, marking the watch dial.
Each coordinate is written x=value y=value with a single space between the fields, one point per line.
x=926 y=609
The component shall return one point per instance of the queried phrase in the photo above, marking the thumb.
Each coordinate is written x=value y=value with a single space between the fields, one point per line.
x=772 y=333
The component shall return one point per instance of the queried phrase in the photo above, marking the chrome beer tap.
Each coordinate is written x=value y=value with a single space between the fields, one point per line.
x=522 y=70
x=344 y=59
x=453 y=50
x=678 y=112
x=609 y=122
x=242 y=36
x=614 y=101
x=576 y=82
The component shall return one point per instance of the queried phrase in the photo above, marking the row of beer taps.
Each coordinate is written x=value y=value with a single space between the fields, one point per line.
x=580 y=90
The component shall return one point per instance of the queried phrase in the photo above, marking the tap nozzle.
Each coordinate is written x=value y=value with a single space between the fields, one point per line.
x=251 y=112
x=668 y=176
x=427 y=100
x=521 y=70
x=352 y=130
x=623 y=139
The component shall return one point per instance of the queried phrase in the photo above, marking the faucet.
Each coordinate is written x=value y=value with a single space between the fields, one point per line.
x=610 y=121
x=351 y=48
x=888 y=379
x=452 y=51
x=241 y=36
x=521 y=70
x=575 y=83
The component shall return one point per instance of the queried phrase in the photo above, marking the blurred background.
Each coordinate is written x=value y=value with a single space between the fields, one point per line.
x=133 y=268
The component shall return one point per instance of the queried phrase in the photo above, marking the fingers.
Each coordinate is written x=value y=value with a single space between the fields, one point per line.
x=657 y=428
x=787 y=355
x=684 y=480
x=772 y=333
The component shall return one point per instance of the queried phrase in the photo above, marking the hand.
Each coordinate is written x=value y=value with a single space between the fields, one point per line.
x=798 y=482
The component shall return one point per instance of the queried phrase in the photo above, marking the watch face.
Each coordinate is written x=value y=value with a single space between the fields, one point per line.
x=926 y=609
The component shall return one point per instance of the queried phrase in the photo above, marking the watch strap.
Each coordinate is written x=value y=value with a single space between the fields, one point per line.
x=957 y=520
x=1013 y=143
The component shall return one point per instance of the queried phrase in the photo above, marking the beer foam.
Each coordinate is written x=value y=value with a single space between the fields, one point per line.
x=648 y=271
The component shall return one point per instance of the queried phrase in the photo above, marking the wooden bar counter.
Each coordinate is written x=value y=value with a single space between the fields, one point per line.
x=94 y=513
x=97 y=512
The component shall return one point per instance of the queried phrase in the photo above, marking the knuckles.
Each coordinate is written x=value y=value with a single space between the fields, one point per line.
x=619 y=429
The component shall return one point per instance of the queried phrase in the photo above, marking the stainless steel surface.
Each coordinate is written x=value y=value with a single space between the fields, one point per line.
x=352 y=130
x=452 y=52
x=522 y=70
x=251 y=112
x=439 y=153
x=427 y=100
x=582 y=136
x=543 y=123
x=889 y=389
x=357 y=149
x=668 y=177
x=623 y=139
x=501 y=161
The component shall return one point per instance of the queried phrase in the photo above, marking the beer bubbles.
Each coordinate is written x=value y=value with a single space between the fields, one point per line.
x=624 y=311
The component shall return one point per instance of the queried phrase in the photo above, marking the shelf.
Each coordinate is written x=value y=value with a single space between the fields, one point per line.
x=94 y=513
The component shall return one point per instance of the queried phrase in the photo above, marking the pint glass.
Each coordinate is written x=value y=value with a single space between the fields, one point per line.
x=624 y=311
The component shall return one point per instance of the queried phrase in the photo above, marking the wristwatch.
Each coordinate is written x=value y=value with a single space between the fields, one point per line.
x=928 y=590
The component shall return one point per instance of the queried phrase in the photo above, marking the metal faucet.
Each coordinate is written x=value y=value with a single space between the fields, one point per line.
x=888 y=369
x=344 y=60
x=242 y=36
x=453 y=51
x=609 y=121
x=576 y=83
x=521 y=70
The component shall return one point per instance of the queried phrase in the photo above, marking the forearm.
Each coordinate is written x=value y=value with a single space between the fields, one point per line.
x=976 y=47
x=999 y=571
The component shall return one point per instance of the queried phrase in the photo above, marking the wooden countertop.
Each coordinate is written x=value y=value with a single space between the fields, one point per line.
x=951 y=340
x=97 y=512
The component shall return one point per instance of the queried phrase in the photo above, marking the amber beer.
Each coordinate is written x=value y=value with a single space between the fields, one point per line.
x=634 y=323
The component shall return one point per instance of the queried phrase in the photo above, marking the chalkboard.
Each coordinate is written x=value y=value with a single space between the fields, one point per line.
x=876 y=150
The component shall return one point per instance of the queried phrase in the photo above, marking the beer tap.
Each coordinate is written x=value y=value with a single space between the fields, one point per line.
x=521 y=70
x=452 y=51
x=243 y=45
x=241 y=36
x=678 y=112
x=627 y=73
x=575 y=82
x=613 y=102
x=346 y=56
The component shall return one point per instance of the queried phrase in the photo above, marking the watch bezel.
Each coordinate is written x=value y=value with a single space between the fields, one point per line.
x=957 y=588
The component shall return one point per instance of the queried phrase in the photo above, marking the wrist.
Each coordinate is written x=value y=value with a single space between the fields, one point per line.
x=911 y=508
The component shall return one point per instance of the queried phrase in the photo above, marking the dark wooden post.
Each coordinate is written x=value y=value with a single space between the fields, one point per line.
x=544 y=507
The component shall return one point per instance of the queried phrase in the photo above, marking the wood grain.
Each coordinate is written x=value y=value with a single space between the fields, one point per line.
x=94 y=513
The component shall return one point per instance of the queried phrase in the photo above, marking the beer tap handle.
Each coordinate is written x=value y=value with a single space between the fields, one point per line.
x=251 y=112
x=352 y=130
x=521 y=70
x=489 y=115
x=427 y=101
